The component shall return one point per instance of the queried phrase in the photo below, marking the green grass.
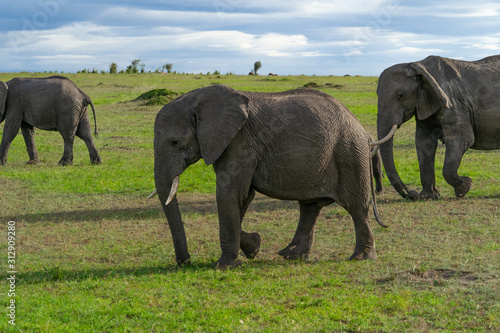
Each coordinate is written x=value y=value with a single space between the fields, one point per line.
x=93 y=255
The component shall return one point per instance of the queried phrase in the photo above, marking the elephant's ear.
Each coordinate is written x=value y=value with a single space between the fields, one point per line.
x=4 y=89
x=431 y=96
x=220 y=114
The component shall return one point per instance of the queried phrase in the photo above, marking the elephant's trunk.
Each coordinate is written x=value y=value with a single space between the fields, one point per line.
x=387 y=154
x=176 y=229
x=173 y=215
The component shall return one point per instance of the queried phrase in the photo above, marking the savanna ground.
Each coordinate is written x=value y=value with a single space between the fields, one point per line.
x=93 y=255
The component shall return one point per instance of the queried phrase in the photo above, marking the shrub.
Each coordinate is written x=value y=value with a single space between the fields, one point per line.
x=158 y=96
x=159 y=100
x=311 y=85
x=334 y=86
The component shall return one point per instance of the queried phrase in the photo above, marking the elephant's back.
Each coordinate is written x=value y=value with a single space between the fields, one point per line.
x=304 y=140
x=45 y=100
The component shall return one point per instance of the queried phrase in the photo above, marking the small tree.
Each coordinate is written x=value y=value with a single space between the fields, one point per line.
x=134 y=66
x=168 y=67
x=256 y=67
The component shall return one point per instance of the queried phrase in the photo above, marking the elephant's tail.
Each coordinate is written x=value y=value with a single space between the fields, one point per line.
x=374 y=200
x=87 y=102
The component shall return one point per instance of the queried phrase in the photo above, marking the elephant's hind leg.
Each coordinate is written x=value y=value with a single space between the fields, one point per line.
x=303 y=239
x=365 y=241
x=84 y=132
x=455 y=149
x=29 y=139
x=67 y=158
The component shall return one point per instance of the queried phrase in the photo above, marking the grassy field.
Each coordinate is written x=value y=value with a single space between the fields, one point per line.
x=93 y=255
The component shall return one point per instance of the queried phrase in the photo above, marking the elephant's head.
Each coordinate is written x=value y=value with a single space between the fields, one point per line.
x=199 y=124
x=405 y=90
x=3 y=99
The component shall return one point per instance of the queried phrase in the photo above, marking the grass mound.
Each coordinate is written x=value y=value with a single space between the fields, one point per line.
x=311 y=85
x=158 y=96
x=326 y=85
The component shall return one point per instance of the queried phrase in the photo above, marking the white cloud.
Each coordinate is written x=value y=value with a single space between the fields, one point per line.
x=416 y=51
x=304 y=8
x=471 y=10
x=85 y=41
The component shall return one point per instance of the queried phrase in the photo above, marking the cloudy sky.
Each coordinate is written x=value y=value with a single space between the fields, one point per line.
x=320 y=37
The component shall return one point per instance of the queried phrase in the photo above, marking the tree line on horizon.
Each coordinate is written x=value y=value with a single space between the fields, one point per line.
x=137 y=66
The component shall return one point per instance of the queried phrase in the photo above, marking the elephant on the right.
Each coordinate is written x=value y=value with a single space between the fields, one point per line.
x=455 y=102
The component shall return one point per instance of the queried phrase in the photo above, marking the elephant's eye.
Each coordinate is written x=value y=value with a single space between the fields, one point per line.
x=174 y=143
x=400 y=96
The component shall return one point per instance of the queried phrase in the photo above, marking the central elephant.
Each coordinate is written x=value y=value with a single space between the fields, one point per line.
x=299 y=145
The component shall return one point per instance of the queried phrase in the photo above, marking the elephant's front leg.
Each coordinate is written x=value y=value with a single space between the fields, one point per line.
x=426 y=144
x=229 y=229
x=303 y=239
x=233 y=197
x=11 y=127
x=29 y=139
x=455 y=149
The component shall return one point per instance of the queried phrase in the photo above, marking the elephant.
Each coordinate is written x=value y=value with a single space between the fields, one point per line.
x=55 y=104
x=301 y=145
x=455 y=102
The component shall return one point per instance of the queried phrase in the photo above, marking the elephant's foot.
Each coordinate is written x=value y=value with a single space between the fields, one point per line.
x=413 y=195
x=462 y=189
x=65 y=162
x=367 y=253
x=429 y=195
x=250 y=244
x=224 y=263
x=95 y=161
x=424 y=195
x=32 y=162
x=182 y=263
x=295 y=252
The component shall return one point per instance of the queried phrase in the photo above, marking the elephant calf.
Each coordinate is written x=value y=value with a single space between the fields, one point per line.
x=299 y=145
x=53 y=104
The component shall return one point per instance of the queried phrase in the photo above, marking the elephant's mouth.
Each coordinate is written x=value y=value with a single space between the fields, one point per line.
x=407 y=115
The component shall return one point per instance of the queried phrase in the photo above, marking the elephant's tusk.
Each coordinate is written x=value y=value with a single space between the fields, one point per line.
x=374 y=151
x=155 y=192
x=173 y=190
x=388 y=136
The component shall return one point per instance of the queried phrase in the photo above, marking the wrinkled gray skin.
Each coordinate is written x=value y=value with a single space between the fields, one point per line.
x=298 y=145
x=455 y=102
x=53 y=104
